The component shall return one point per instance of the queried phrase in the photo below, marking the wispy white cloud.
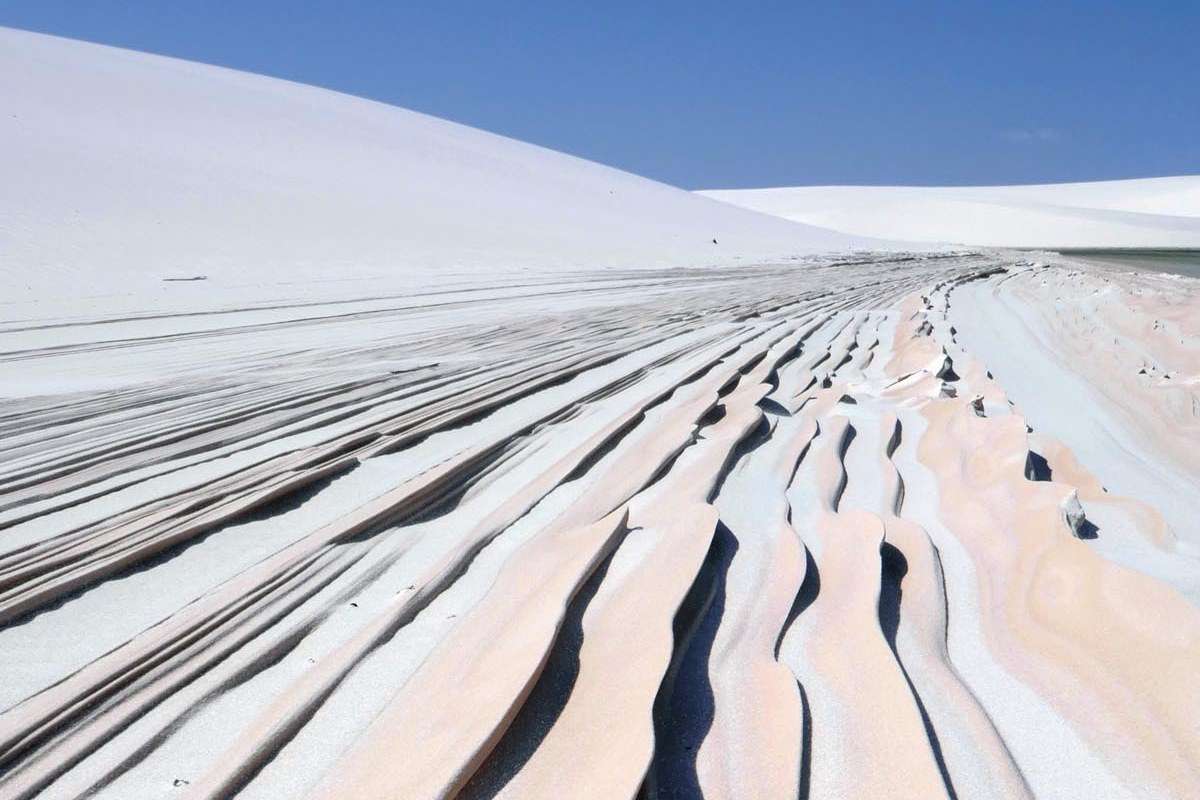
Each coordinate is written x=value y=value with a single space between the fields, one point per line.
x=1028 y=135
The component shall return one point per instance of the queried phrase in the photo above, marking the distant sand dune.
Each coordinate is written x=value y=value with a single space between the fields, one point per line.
x=1150 y=212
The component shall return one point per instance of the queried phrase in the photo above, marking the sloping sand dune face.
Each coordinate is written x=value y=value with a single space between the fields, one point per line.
x=774 y=531
x=123 y=170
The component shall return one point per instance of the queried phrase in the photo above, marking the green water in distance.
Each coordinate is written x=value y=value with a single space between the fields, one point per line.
x=1178 y=262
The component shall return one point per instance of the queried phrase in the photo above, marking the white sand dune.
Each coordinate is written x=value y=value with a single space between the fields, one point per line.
x=1150 y=212
x=420 y=496
x=121 y=169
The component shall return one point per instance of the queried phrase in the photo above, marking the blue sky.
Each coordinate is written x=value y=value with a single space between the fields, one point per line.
x=732 y=94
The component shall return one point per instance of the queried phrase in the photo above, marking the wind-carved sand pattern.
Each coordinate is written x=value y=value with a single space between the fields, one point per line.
x=768 y=531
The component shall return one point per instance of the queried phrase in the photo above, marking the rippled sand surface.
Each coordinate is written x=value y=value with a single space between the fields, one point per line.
x=884 y=526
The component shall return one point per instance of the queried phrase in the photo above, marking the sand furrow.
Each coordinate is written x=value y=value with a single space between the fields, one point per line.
x=868 y=737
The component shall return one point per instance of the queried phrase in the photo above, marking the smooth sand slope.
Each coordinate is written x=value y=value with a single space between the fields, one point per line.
x=121 y=169
x=1152 y=212
x=531 y=525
